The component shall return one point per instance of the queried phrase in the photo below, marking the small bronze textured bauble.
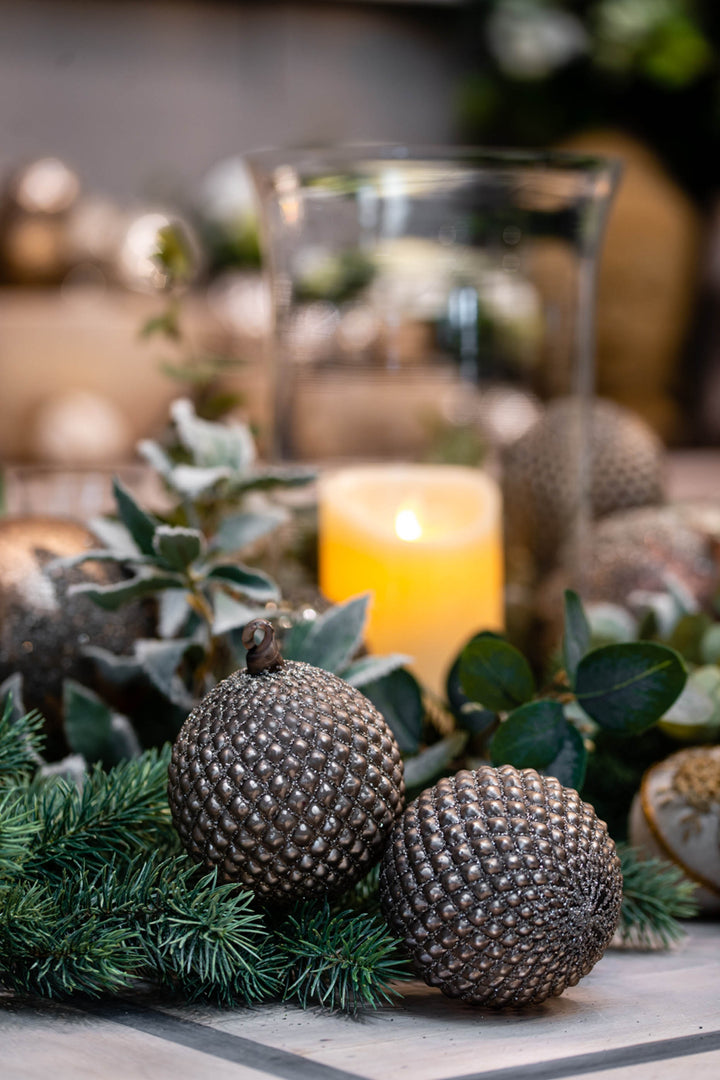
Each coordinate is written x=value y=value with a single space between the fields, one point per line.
x=544 y=475
x=285 y=778
x=504 y=885
x=643 y=550
x=43 y=630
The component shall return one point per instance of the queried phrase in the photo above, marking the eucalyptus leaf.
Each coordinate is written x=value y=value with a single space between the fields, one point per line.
x=476 y=720
x=139 y=524
x=611 y=624
x=111 y=597
x=155 y=456
x=252 y=583
x=695 y=716
x=495 y=674
x=178 y=547
x=429 y=765
x=113 y=669
x=334 y=637
x=454 y=692
x=115 y=536
x=369 y=669
x=93 y=729
x=230 y=614
x=160 y=661
x=192 y=481
x=270 y=477
x=294 y=643
x=688 y=636
x=399 y=698
x=569 y=765
x=576 y=638
x=710 y=645
x=173 y=612
x=531 y=736
x=12 y=688
x=211 y=444
x=627 y=688
x=67 y=562
x=237 y=531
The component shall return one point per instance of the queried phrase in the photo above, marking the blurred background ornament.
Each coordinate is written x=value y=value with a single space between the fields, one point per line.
x=35 y=211
x=157 y=250
x=624 y=460
x=43 y=629
x=81 y=427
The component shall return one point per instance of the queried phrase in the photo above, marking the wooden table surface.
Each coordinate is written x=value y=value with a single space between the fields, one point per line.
x=636 y=1016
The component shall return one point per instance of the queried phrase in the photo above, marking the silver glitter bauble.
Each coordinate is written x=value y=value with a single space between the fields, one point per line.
x=43 y=629
x=544 y=471
x=504 y=885
x=285 y=778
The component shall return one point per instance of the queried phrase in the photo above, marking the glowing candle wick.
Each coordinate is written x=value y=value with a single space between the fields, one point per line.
x=407 y=525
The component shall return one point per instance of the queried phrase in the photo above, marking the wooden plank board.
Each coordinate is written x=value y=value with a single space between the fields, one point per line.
x=629 y=1000
x=635 y=1017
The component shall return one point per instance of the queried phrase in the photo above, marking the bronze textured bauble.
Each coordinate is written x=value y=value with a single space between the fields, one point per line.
x=645 y=550
x=605 y=453
x=504 y=885
x=285 y=778
x=43 y=630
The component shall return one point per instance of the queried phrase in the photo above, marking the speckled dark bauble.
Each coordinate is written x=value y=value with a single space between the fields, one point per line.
x=647 y=548
x=544 y=477
x=504 y=885
x=43 y=630
x=285 y=777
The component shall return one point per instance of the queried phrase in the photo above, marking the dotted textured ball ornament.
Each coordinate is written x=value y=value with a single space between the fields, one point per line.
x=285 y=777
x=44 y=628
x=542 y=478
x=504 y=885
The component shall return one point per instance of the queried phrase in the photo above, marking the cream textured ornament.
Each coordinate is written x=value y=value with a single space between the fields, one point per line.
x=285 y=777
x=676 y=816
x=504 y=885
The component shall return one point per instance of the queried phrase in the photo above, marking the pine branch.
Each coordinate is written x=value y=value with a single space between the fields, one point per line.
x=49 y=947
x=341 y=960
x=155 y=920
x=18 y=828
x=205 y=939
x=655 y=895
x=115 y=815
x=21 y=743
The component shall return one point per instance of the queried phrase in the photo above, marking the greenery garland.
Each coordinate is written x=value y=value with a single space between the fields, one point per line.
x=95 y=898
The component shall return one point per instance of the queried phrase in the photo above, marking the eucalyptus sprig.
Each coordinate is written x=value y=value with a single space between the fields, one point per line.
x=620 y=688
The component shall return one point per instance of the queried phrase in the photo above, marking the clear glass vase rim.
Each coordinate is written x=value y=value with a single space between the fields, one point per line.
x=335 y=154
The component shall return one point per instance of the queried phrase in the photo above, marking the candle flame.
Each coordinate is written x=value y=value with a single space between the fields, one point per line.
x=407 y=525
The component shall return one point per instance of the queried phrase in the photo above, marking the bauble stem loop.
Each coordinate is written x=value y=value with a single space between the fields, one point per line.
x=266 y=655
